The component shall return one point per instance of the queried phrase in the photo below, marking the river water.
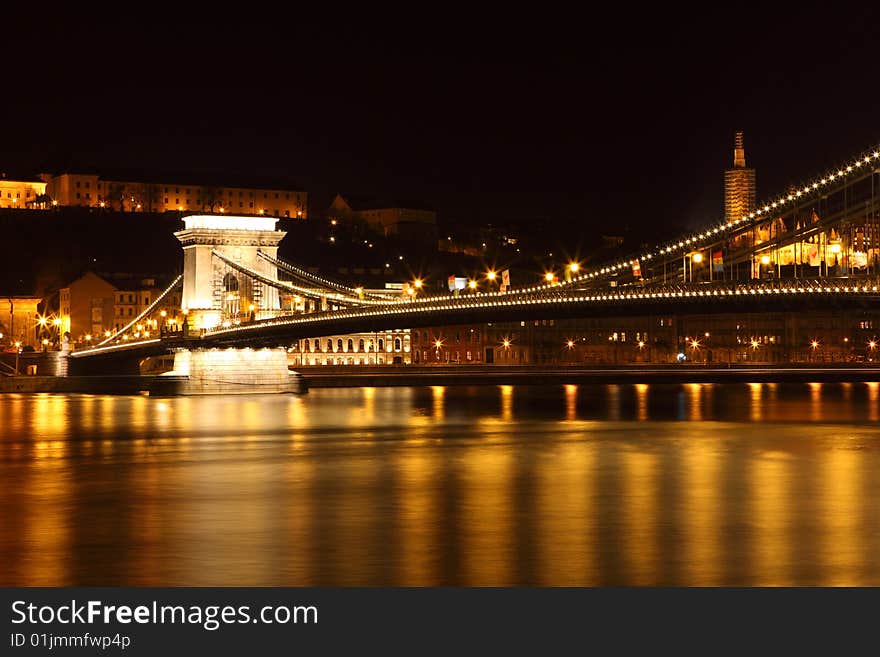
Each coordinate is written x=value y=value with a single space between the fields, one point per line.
x=695 y=484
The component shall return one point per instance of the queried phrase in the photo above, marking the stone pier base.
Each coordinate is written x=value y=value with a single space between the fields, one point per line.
x=228 y=372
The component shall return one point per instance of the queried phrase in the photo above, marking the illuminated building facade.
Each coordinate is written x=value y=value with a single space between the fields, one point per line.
x=739 y=184
x=449 y=345
x=20 y=193
x=86 y=306
x=377 y=348
x=93 y=190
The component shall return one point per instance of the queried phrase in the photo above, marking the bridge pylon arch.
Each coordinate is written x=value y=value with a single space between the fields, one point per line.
x=206 y=288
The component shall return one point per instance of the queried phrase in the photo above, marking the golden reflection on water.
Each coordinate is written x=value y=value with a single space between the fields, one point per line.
x=439 y=409
x=417 y=472
x=873 y=397
x=565 y=510
x=487 y=517
x=772 y=519
x=756 y=405
x=571 y=392
x=710 y=485
x=640 y=517
x=701 y=509
x=840 y=506
x=642 y=401
x=695 y=401
x=815 y=401
x=506 y=403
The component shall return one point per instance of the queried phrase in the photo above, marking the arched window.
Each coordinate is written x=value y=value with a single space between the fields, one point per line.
x=317 y=345
x=230 y=296
x=329 y=345
x=381 y=344
x=350 y=344
x=339 y=344
x=396 y=344
x=361 y=344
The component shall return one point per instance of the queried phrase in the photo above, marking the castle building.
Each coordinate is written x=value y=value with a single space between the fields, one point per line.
x=128 y=195
x=21 y=192
x=739 y=184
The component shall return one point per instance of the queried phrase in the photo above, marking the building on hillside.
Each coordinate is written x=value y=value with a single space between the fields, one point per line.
x=135 y=194
x=21 y=192
x=739 y=185
x=407 y=221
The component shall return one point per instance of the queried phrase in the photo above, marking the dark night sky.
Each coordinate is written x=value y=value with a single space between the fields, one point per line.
x=594 y=122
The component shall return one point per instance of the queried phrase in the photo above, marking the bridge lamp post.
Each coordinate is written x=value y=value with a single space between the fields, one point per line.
x=41 y=322
x=872 y=345
x=571 y=270
x=57 y=324
x=814 y=344
x=472 y=285
x=689 y=260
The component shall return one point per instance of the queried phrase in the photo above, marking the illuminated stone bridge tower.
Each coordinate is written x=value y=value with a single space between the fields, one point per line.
x=215 y=293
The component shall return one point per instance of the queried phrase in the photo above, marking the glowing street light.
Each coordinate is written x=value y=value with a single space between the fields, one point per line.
x=814 y=344
x=472 y=284
x=698 y=258
x=505 y=343
x=765 y=260
x=490 y=275
x=755 y=344
x=570 y=344
x=549 y=277
x=641 y=344
x=872 y=344
x=574 y=267
x=418 y=283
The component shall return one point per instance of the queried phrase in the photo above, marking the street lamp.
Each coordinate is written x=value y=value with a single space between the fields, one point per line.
x=491 y=275
x=472 y=284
